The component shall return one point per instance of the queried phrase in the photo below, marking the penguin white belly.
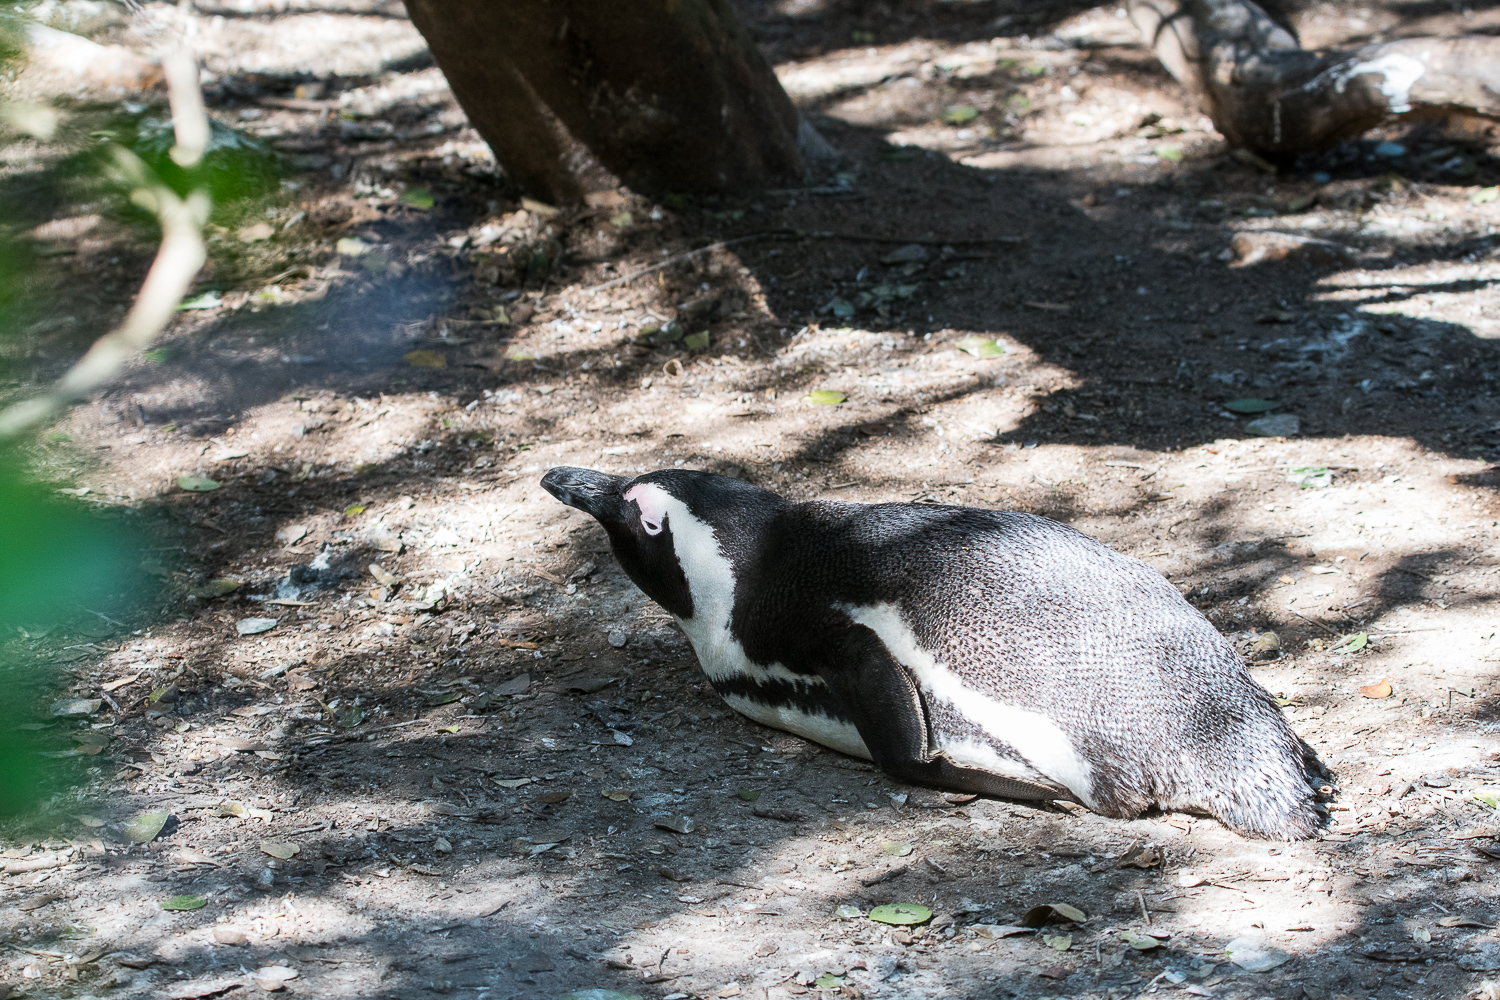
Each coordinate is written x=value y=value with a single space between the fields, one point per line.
x=1037 y=739
x=723 y=659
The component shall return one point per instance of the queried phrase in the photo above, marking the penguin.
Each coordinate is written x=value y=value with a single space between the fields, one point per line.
x=986 y=651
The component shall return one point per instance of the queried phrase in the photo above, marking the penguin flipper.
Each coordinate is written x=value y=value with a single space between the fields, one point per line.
x=886 y=707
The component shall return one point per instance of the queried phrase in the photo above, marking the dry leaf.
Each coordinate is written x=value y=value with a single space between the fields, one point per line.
x=282 y=851
x=1042 y=914
x=1380 y=690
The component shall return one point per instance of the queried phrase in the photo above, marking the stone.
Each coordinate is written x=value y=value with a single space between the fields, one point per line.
x=1275 y=425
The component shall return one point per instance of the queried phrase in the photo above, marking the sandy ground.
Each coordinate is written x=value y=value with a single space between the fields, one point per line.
x=500 y=768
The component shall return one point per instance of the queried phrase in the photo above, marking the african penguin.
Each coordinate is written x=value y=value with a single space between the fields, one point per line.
x=985 y=651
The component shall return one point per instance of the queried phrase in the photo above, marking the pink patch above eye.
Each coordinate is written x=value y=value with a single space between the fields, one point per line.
x=652 y=503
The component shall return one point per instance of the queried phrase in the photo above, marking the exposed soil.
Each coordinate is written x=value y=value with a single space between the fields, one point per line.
x=485 y=751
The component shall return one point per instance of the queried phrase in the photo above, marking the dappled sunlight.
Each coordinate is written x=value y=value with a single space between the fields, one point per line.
x=485 y=742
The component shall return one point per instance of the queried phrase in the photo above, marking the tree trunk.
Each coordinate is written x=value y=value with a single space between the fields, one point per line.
x=666 y=95
x=1269 y=95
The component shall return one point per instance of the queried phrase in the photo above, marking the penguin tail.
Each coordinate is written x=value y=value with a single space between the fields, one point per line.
x=1271 y=794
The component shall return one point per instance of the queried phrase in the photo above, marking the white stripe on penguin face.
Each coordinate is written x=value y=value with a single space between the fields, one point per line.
x=710 y=577
x=1034 y=736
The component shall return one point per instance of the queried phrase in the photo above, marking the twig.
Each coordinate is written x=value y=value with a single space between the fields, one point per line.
x=1140 y=897
x=1314 y=621
x=178 y=259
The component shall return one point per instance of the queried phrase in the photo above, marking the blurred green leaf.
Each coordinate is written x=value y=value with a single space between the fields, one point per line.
x=57 y=557
x=826 y=397
x=184 y=903
x=418 y=198
x=207 y=300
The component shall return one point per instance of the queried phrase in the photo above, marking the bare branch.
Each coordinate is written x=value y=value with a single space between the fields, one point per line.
x=178 y=260
x=1268 y=94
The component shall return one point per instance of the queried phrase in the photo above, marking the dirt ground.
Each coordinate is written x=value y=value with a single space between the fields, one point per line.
x=502 y=772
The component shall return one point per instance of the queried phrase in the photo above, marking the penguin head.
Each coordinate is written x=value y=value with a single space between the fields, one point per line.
x=668 y=525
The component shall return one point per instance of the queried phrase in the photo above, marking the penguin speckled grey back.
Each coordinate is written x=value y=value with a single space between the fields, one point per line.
x=987 y=651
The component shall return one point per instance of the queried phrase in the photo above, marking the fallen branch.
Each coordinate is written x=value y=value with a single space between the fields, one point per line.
x=1267 y=94
x=178 y=259
x=797 y=234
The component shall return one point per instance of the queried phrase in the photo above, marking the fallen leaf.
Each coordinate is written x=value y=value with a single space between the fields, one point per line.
x=115 y=685
x=677 y=824
x=1379 y=690
x=587 y=685
x=901 y=914
x=292 y=534
x=1061 y=942
x=896 y=848
x=142 y=829
x=1140 y=942
x=197 y=484
x=75 y=708
x=826 y=397
x=199 y=988
x=1047 y=912
x=848 y=912
x=959 y=114
x=617 y=794
x=184 y=903
x=1001 y=930
x=1353 y=643
x=278 y=850
x=1141 y=856
x=514 y=782
x=351 y=246
x=254 y=626
x=208 y=300
x=1253 y=954
x=383 y=576
x=1421 y=935
x=748 y=794
x=419 y=198
x=1456 y=921
x=980 y=347
x=1171 y=154
x=696 y=341
x=425 y=359
x=272 y=978
x=1250 y=405
x=37 y=902
x=215 y=588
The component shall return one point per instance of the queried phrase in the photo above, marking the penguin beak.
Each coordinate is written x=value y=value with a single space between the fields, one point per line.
x=597 y=494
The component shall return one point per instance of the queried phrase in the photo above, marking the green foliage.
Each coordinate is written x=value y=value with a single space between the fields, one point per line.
x=56 y=559
x=234 y=167
x=13 y=29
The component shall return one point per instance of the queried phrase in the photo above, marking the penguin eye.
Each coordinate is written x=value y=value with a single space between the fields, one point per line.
x=652 y=527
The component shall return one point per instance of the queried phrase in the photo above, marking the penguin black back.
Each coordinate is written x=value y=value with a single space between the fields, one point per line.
x=990 y=651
